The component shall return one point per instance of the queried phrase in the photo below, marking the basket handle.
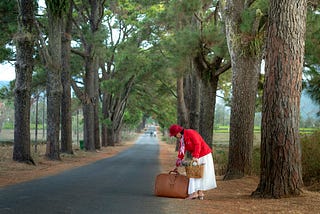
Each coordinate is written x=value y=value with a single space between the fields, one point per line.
x=194 y=161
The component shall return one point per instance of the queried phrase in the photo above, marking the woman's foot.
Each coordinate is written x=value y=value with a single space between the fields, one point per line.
x=192 y=196
x=200 y=195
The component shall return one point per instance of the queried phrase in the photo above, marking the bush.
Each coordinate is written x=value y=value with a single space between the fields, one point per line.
x=220 y=159
x=256 y=162
x=310 y=145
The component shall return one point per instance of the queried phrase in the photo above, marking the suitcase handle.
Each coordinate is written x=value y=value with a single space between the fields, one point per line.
x=174 y=171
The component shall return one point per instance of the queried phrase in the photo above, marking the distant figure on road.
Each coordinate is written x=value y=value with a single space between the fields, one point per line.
x=154 y=133
x=191 y=140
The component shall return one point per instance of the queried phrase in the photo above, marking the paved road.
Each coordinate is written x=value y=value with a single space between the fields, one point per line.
x=121 y=184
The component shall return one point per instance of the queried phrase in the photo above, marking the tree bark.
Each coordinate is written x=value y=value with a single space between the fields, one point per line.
x=245 y=76
x=66 y=114
x=92 y=46
x=24 y=67
x=208 y=91
x=54 y=86
x=280 y=143
x=88 y=106
x=209 y=77
x=183 y=113
x=97 y=143
x=192 y=98
x=115 y=106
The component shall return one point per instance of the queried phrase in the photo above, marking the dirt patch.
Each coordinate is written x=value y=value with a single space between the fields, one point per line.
x=229 y=197
x=12 y=172
x=234 y=196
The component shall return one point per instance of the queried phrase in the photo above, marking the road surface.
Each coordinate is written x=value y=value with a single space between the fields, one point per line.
x=120 y=184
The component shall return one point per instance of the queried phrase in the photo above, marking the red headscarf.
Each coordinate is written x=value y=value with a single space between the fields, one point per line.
x=175 y=129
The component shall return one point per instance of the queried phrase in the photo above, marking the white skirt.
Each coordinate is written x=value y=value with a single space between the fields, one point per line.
x=208 y=180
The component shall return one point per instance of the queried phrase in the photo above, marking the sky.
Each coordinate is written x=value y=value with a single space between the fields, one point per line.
x=7 y=72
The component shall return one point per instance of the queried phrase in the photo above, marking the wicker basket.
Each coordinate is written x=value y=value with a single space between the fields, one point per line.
x=194 y=171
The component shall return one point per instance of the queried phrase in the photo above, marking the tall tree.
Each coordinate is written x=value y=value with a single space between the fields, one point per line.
x=192 y=94
x=91 y=14
x=125 y=61
x=245 y=38
x=24 y=66
x=56 y=10
x=66 y=120
x=200 y=54
x=209 y=61
x=280 y=143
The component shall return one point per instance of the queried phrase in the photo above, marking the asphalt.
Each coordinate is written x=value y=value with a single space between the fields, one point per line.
x=120 y=184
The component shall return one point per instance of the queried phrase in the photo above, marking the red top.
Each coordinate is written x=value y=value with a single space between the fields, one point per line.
x=195 y=144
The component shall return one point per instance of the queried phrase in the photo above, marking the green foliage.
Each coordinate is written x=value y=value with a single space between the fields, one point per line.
x=107 y=122
x=9 y=125
x=310 y=158
x=258 y=9
x=58 y=7
x=180 y=12
x=9 y=26
x=188 y=7
x=132 y=117
x=312 y=84
x=181 y=45
x=213 y=36
x=256 y=161
x=253 y=20
x=152 y=93
x=220 y=158
x=6 y=93
x=312 y=55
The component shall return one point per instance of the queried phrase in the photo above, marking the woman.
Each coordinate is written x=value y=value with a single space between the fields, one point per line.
x=190 y=140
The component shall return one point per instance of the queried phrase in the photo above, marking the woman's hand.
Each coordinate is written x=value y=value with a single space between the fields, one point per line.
x=178 y=162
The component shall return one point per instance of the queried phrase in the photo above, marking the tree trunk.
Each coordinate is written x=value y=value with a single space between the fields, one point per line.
x=66 y=114
x=37 y=122
x=280 y=142
x=24 y=67
x=245 y=70
x=92 y=46
x=114 y=108
x=209 y=77
x=89 y=115
x=192 y=98
x=110 y=137
x=208 y=91
x=104 y=134
x=183 y=113
x=54 y=86
x=96 y=112
x=245 y=82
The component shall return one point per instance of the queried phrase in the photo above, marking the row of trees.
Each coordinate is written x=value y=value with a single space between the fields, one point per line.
x=103 y=65
x=127 y=60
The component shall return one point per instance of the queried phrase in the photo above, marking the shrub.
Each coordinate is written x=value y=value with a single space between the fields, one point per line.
x=310 y=145
x=256 y=160
x=220 y=159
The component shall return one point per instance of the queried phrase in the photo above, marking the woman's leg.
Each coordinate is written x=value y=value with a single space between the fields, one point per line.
x=193 y=196
x=200 y=194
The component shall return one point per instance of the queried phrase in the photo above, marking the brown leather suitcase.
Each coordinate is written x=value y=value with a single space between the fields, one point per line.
x=172 y=185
